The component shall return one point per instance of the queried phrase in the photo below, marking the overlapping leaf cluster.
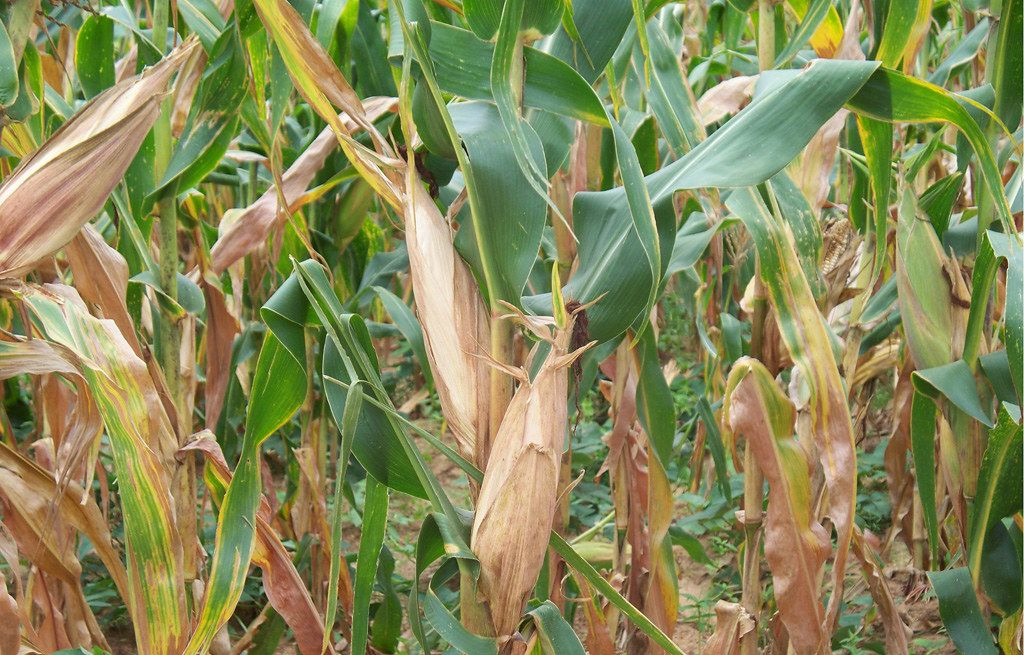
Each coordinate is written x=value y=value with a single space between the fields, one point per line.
x=265 y=263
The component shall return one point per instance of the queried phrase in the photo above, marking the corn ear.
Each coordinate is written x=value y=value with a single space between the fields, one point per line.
x=932 y=320
x=519 y=492
x=456 y=324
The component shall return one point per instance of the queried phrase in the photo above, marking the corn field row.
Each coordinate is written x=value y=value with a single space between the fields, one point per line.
x=511 y=327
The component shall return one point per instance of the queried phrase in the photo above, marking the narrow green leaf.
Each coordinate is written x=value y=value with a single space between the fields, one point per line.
x=922 y=445
x=8 y=70
x=371 y=539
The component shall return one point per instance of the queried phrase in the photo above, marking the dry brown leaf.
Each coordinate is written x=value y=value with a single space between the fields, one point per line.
x=897 y=633
x=22 y=477
x=726 y=98
x=221 y=329
x=64 y=183
x=250 y=228
x=795 y=544
x=732 y=623
x=101 y=278
x=10 y=621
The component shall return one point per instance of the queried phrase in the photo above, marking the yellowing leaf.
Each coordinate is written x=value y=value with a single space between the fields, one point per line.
x=143 y=444
x=795 y=544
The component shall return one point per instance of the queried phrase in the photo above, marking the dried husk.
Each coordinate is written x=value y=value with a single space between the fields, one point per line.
x=64 y=183
x=519 y=493
x=456 y=324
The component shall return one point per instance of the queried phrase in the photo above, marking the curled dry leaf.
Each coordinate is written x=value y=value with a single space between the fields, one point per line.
x=250 y=229
x=101 y=278
x=71 y=411
x=19 y=476
x=732 y=623
x=726 y=98
x=221 y=328
x=64 y=183
x=10 y=621
x=796 y=545
x=897 y=632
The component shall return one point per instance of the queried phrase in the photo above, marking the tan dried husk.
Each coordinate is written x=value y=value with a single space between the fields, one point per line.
x=64 y=183
x=456 y=324
x=519 y=493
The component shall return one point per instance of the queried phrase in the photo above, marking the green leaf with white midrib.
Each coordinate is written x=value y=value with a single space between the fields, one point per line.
x=748 y=149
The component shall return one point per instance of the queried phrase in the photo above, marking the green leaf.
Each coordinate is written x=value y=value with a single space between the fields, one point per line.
x=462 y=65
x=8 y=70
x=996 y=247
x=1007 y=63
x=371 y=539
x=94 y=55
x=278 y=389
x=964 y=52
x=407 y=324
x=937 y=201
x=924 y=292
x=653 y=398
x=896 y=98
x=956 y=382
x=601 y=25
x=212 y=121
x=898 y=28
x=1001 y=571
x=556 y=635
x=615 y=264
x=203 y=18
x=922 y=445
x=999 y=484
x=877 y=140
x=501 y=236
x=539 y=16
x=958 y=607
x=812 y=19
x=348 y=424
x=670 y=96
x=714 y=440
x=692 y=240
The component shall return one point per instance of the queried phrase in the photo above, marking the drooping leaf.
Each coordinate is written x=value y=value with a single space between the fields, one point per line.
x=796 y=545
x=64 y=183
x=143 y=443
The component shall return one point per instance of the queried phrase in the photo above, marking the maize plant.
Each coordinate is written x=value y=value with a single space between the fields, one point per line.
x=511 y=327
